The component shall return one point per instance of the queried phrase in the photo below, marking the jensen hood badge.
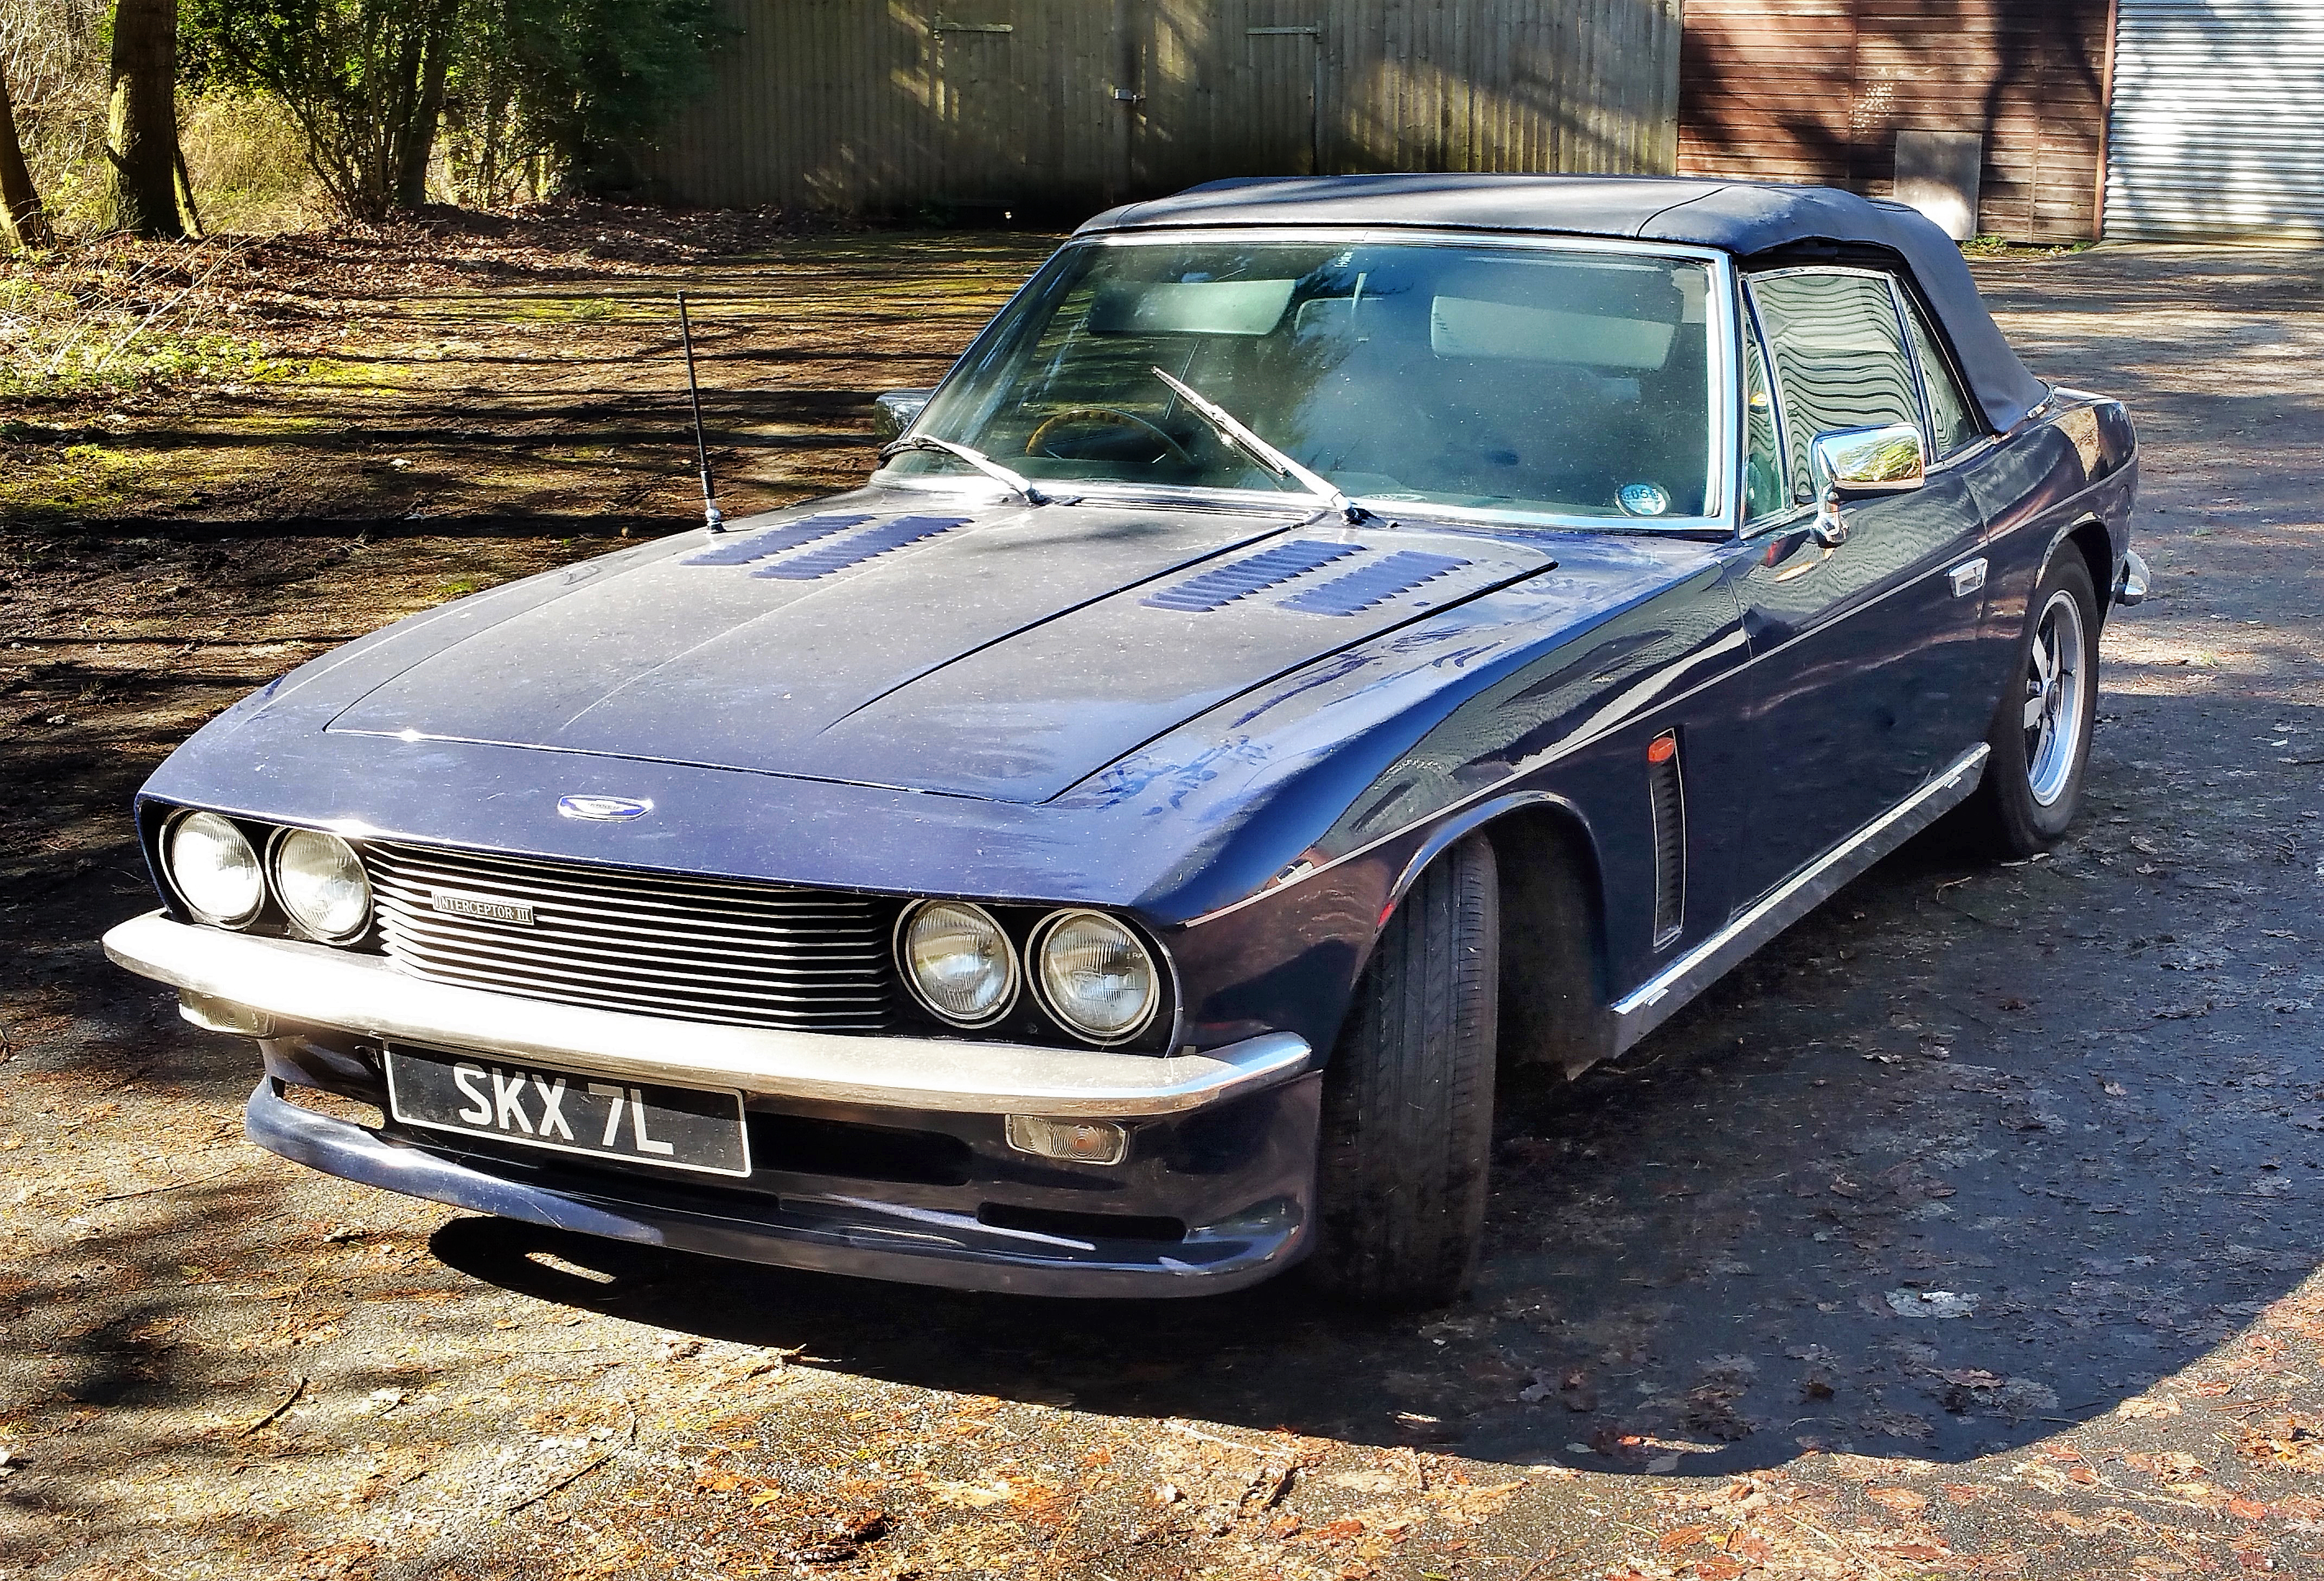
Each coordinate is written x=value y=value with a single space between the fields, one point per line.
x=603 y=809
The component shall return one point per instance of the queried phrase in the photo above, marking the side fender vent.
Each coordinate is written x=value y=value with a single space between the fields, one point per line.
x=1377 y=582
x=853 y=551
x=1666 y=797
x=1215 y=589
x=742 y=552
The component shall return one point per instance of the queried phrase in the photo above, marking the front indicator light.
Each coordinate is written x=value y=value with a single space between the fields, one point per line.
x=215 y=870
x=1095 y=976
x=1075 y=1142
x=320 y=882
x=958 y=961
x=213 y=1014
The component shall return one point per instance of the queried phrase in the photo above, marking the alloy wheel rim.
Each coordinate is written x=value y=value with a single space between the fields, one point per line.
x=2054 y=699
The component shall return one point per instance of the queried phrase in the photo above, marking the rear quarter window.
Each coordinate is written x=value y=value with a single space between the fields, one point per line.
x=1950 y=424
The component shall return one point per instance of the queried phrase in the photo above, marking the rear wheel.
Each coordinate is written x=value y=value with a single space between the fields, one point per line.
x=1408 y=1097
x=2041 y=735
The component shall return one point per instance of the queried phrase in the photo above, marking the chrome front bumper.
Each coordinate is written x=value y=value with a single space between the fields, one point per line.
x=826 y=1233
x=298 y=985
x=2130 y=585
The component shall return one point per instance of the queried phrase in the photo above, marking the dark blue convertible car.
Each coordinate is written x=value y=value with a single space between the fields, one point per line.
x=1324 y=642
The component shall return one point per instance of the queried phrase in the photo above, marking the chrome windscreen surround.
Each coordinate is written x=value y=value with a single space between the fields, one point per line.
x=1723 y=510
x=669 y=945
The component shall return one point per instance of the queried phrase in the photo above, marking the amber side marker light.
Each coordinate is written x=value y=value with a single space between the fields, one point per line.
x=1662 y=749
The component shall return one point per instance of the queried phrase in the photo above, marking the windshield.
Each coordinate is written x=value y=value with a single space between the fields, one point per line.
x=1566 y=382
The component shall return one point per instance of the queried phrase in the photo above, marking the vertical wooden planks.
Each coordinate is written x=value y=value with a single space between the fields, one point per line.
x=887 y=105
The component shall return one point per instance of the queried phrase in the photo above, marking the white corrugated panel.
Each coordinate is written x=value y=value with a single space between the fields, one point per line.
x=2218 y=126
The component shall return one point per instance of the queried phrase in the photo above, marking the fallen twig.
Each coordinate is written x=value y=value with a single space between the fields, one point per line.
x=174 y=1186
x=1530 y=1571
x=563 y=1482
x=288 y=1401
x=1195 y=1432
x=206 y=277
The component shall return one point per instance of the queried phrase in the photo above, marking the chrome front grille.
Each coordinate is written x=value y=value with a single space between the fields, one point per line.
x=704 y=950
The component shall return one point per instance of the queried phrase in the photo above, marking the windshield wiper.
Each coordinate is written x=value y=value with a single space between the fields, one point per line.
x=1021 y=487
x=1274 y=461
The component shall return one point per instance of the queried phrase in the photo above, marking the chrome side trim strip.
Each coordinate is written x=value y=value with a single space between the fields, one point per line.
x=1654 y=1001
x=315 y=986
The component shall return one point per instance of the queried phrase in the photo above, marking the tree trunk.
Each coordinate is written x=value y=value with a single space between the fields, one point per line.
x=141 y=133
x=23 y=221
x=415 y=140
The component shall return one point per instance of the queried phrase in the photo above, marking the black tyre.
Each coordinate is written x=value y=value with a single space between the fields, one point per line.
x=1408 y=1097
x=2041 y=735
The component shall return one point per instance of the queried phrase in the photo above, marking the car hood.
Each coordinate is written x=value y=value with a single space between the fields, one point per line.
x=999 y=651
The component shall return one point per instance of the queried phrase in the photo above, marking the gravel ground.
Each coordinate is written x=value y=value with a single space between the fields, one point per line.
x=1971 y=1229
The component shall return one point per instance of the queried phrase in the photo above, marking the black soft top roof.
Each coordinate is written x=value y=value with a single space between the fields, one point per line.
x=1737 y=216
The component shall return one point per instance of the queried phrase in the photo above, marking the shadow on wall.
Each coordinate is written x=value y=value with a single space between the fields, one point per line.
x=1785 y=94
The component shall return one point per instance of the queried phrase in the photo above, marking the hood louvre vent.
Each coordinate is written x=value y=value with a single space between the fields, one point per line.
x=1215 y=589
x=742 y=552
x=1376 y=583
x=853 y=551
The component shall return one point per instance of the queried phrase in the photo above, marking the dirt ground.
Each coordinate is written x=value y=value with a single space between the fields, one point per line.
x=1973 y=1229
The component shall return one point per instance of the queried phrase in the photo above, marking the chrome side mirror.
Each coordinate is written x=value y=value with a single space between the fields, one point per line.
x=894 y=411
x=1848 y=463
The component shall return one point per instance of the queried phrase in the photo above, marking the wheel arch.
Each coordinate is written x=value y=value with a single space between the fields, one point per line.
x=2091 y=540
x=1554 y=992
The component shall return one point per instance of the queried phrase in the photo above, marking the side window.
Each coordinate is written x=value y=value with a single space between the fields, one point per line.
x=1949 y=421
x=1839 y=358
x=1764 y=493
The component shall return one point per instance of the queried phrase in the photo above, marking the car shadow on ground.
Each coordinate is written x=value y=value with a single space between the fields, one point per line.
x=1974 y=1152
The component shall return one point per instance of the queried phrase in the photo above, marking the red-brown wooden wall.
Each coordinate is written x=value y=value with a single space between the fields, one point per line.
x=1816 y=90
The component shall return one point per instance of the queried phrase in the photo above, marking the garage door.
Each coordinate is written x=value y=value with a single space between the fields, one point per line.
x=2218 y=126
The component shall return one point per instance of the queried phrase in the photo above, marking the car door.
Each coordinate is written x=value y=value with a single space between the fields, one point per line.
x=1862 y=651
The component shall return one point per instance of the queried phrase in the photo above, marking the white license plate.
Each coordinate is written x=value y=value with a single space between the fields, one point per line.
x=639 y=1122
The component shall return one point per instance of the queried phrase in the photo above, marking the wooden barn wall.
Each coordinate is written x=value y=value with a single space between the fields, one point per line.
x=891 y=105
x=1816 y=90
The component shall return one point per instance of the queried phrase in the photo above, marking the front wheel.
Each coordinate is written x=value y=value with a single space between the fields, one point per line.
x=1408 y=1117
x=2041 y=735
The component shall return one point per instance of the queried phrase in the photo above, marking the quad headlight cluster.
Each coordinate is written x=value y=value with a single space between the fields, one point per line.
x=223 y=878
x=1092 y=975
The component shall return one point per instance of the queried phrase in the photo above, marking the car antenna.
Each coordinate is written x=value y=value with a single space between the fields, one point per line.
x=712 y=516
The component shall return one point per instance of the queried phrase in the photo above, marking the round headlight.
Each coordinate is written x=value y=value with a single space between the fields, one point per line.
x=958 y=961
x=321 y=884
x=1095 y=976
x=213 y=869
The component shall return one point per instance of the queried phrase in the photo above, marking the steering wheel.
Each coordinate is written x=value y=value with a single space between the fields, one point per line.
x=1107 y=415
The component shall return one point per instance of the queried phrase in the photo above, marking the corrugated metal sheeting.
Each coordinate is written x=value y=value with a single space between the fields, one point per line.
x=888 y=104
x=1816 y=90
x=2219 y=120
